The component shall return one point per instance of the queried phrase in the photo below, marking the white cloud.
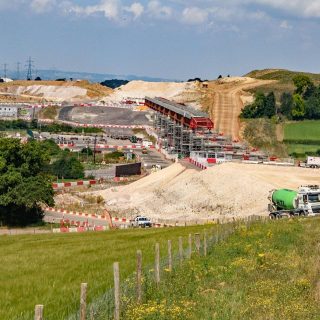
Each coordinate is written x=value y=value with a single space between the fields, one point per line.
x=136 y=9
x=156 y=9
x=306 y=8
x=109 y=8
x=194 y=15
x=41 y=6
x=285 y=25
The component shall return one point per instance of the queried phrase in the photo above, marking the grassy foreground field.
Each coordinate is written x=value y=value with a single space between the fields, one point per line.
x=268 y=271
x=48 y=269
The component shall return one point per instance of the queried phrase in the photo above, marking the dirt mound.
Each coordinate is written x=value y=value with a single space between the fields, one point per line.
x=229 y=189
x=178 y=91
x=56 y=91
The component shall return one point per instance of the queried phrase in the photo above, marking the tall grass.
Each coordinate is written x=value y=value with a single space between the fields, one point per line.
x=268 y=271
x=48 y=269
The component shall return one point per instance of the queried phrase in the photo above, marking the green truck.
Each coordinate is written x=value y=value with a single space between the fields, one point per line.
x=287 y=203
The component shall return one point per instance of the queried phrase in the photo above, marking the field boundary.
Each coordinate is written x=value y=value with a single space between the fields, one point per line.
x=113 y=304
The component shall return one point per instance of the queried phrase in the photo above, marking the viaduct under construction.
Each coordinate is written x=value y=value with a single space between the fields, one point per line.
x=183 y=131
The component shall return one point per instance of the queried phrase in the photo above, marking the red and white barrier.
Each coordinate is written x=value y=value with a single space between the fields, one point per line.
x=120 y=221
x=75 y=213
x=74 y=184
x=78 y=229
x=86 y=182
x=198 y=164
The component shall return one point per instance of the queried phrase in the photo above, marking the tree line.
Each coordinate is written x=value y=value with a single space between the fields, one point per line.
x=52 y=128
x=27 y=171
x=304 y=103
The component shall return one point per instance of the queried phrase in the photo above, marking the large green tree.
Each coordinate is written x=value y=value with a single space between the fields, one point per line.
x=68 y=167
x=299 y=107
x=24 y=186
x=286 y=106
x=313 y=104
x=263 y=106
x=303 y=83
x=270 y=105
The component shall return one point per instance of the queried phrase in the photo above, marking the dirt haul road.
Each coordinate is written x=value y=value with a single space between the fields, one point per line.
x=227 y=99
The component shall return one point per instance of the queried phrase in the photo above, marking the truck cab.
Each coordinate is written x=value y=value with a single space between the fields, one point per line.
x=309 y=199
x=286 y=203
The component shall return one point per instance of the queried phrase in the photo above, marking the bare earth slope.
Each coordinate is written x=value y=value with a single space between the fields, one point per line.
x=225 y=99
x=56 y=91
x=186 y=92
x=227 y=189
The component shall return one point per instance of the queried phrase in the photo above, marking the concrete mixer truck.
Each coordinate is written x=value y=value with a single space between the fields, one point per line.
x=288 y=203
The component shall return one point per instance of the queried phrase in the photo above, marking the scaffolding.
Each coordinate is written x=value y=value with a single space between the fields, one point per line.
x=182 y=131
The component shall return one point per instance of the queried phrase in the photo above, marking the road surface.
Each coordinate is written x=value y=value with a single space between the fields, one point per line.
x=227 y=104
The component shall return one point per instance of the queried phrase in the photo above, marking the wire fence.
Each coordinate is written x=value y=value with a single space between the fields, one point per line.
x=141 y=284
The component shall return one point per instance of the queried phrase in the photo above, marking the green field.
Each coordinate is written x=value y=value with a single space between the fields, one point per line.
x=48 y=269
x=302 y=148
x=268 y=271
x=307 y=130
x=302 y=138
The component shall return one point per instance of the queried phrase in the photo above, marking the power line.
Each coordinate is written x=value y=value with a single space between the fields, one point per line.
x=18 y=70
x=30 y=67
x=5 y=65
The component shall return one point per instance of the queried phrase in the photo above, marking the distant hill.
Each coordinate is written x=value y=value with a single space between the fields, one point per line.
x=92 y=77
x=283 y=80
x=282 y=75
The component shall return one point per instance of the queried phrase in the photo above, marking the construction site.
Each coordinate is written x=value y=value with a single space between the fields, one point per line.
x=184 y=132
x=185 y=141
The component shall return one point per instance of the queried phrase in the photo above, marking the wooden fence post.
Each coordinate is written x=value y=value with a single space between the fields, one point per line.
x=217 y=235
x=190 y=246
x=205 y=243
x=180 y=249
x=83 y=301
x=38 y=312
x=116 y=275
x=197 y=242
x=211 y=232
x=169 y=255
x=157 y=263
x=91 y=313
x=139 y=275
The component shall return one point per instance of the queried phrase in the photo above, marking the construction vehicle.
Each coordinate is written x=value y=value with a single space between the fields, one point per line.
x=312 y=162
x=288 y=203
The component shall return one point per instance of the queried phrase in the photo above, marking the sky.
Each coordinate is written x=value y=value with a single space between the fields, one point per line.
x=172 y=39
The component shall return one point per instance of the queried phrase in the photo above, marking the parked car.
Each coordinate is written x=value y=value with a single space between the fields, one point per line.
x=141 y=222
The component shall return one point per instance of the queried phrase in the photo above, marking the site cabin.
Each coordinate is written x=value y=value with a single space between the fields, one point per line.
x=289 y=203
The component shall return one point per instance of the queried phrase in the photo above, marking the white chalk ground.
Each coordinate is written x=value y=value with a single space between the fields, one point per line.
x=236 y=80
x=141 y=89
x=57 y=93
x=229 y=189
